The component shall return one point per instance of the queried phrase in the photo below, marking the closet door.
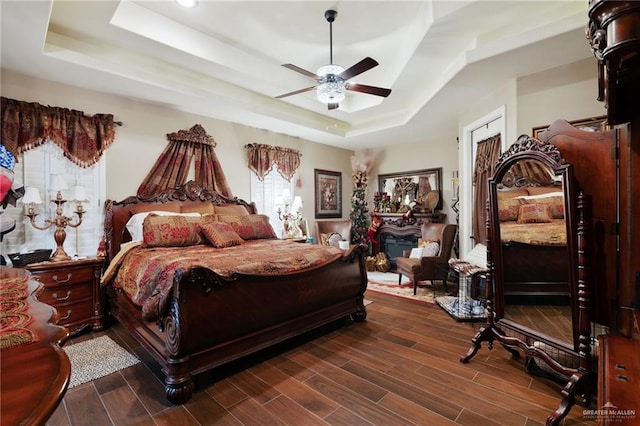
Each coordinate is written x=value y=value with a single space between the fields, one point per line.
x=595 y=164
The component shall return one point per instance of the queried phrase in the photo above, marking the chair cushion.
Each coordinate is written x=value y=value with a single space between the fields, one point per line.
x=408 y=265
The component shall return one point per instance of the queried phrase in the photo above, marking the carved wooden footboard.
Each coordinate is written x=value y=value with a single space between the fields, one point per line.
x=191 y=338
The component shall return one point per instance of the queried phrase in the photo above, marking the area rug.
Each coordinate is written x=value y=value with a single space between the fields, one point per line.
x=387 y=282
x=97 y=358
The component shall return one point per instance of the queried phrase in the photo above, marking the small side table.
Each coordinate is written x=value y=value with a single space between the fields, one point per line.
x=73 y=288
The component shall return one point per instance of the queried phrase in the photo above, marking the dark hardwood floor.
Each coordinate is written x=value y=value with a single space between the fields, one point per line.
x=399 y=367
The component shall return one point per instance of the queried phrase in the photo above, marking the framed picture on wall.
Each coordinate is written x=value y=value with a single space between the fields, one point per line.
x=594 y=124
x=328 y=194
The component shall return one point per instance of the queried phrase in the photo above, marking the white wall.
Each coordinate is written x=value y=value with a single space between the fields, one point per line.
x=142 y=138
x=567 y=92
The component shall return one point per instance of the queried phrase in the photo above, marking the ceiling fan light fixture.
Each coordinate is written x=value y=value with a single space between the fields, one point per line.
x=331 y=89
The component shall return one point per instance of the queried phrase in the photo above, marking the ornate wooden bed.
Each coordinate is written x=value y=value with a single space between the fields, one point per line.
x=209 y=319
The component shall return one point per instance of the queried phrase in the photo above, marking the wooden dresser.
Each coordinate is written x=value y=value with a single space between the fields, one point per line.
x=618 y=380
x=73 y=288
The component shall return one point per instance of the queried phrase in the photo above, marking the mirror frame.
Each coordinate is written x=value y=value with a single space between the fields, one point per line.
x=532 y=149
x=415 y=174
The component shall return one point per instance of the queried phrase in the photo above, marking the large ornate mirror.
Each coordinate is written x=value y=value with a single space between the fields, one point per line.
x=420 y=190
x=537 y=229
x=532 y=261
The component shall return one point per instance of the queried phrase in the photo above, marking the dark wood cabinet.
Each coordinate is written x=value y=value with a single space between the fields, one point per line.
x=618 y=380
x=73 y=288
x=614 y=35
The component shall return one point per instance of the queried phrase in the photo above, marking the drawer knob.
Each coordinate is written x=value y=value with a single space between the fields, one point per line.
x=59 y=281
x=621 y=367
x=66 y=316
x=622 y=378
x=55 y=296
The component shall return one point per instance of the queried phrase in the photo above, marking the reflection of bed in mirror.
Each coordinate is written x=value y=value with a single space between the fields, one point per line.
x=534 y=241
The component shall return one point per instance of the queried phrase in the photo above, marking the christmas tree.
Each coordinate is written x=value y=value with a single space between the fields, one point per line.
x=359 y=217
x=360 y=165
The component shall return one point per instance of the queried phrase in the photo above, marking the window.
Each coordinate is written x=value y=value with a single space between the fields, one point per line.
x=268 y=196
x=34 y=169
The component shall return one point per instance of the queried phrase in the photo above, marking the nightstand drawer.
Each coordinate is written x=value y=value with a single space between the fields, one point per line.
x=73 y=288
x=56 y=296
x=65 y=276
x=74 y=313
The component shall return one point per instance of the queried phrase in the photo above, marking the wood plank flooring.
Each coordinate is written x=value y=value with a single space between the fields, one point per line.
x=400 y=367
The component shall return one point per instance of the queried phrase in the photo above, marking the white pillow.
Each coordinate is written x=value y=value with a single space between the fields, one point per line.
x=431 y=249
x=134 y=225
x=416 y=253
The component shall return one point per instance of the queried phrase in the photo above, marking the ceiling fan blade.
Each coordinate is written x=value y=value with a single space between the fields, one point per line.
x=371 y=90
x=364 y=65
x=306 y=89
x=301 y=71
x=332 y=106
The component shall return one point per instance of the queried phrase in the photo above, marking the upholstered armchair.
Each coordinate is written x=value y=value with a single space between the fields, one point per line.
x=325 y=229
x=429 y=267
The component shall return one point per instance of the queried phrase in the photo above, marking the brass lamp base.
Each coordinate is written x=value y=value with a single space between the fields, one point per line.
x=59 y=255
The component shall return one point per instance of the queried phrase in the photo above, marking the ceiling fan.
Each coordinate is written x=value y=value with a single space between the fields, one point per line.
x=332 y=79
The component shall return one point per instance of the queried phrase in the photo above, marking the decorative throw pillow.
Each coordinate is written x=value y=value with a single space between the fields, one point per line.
x=331 y=239
x=220 y=234
x=555 y=200
x=171 y=231
x=534 y=213
x=508 y=209
x=431 y=249
x=416 y=253
x=134 y=225
x=251 y=226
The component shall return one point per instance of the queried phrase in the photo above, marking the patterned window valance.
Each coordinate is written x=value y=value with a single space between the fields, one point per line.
x=82 y=138
x=262 y=158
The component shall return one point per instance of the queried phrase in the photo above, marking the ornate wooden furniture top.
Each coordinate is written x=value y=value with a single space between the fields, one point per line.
x=35 y=369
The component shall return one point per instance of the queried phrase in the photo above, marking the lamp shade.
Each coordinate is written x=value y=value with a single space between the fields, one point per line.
x=31 y=196
x=79 y=194
x=297 y=204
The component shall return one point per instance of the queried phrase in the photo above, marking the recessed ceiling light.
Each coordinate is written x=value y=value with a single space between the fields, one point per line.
x=187 y=3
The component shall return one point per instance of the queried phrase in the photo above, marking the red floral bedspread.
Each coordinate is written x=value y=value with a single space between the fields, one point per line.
x=146 y=274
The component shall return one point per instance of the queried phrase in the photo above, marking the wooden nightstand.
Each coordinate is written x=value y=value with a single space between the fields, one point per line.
x=73 y=288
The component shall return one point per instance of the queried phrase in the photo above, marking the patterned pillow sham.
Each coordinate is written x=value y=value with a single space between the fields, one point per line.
x=250 y=227
x=534 y=213
x=554 y=199
x=220 y=234
x=508 y=209
x=134 y=225
x=171 y=231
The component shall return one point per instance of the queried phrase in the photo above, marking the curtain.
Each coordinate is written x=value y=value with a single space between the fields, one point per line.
x=82 y=138
x=486 y=157
x=261 y=159
x=172 y=167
